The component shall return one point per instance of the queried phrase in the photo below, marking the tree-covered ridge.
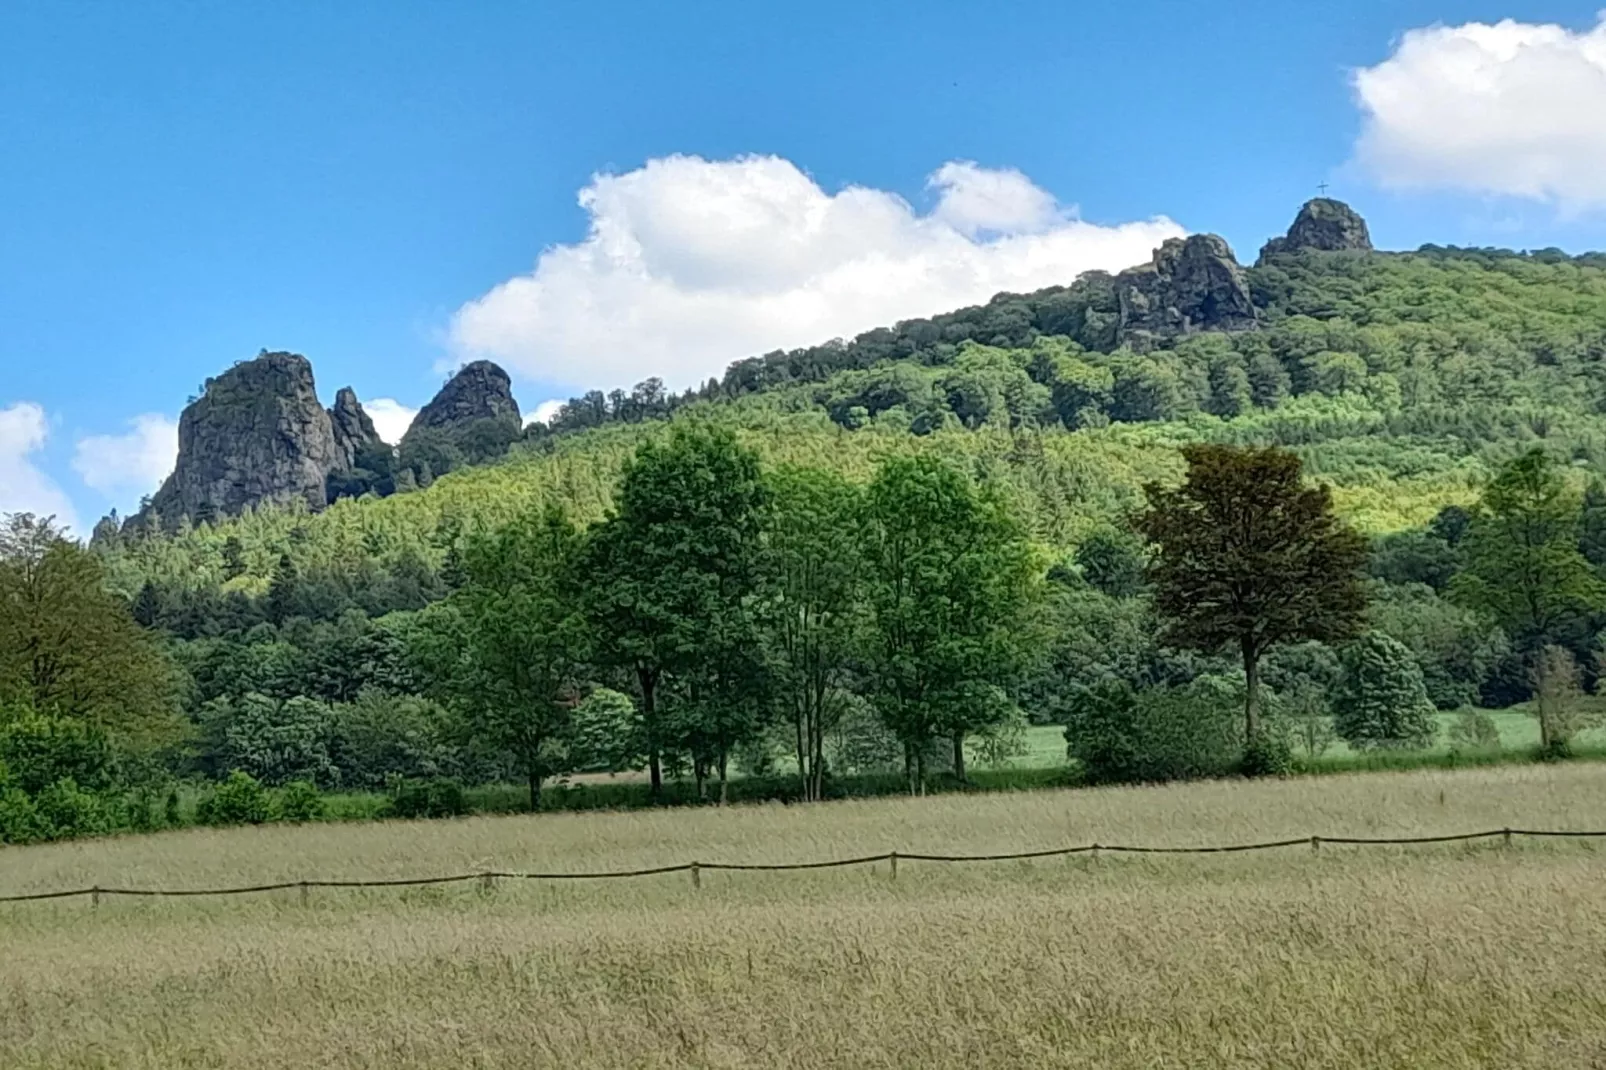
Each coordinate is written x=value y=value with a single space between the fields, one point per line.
x=1403 y=379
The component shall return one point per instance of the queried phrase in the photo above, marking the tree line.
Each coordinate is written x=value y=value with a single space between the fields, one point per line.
x=725 y=613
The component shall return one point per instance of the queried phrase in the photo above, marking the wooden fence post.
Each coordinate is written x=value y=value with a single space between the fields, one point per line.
x=696 y=875
x=94 y=896
x=301 y=893
x=487 y=883
x=893 y=858
x=1508 y=837
x=1315 y=843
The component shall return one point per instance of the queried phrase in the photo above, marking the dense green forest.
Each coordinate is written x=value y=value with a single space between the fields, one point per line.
x=866 y=556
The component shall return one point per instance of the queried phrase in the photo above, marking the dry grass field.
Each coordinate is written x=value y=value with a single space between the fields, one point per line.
x=1447 y=956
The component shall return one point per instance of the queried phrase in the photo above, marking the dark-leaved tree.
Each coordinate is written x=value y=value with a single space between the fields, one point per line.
x=1247 y=557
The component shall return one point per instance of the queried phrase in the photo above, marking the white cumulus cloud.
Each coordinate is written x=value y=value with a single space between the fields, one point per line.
x=131 y=464
x=391 y=418
x=544 y=412
x=1512 y=108
x=692 y=263
x=23 y=487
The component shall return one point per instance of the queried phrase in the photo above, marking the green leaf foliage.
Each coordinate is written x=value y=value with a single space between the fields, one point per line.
x=1381 y=701
x=1524 y=568
x=1248 y=557
x=1122 y=736
x=950 y=579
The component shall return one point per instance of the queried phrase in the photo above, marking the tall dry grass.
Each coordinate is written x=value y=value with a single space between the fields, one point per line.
x=1437 y=956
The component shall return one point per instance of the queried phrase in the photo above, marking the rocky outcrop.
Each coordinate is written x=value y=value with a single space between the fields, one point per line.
x=257 y=435
x=1192 y=284
x=352 y=427
x=480 y=391
x=1324 y=224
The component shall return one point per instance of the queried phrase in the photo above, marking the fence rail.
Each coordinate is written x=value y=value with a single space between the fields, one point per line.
x=891 y=857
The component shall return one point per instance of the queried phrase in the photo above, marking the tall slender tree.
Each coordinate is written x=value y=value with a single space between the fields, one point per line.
x=670 y=575
x=509 y=645
x=1526 y=572
x=813 y=569
x=1247 y=557
x=1524 y=569
x=950 y=576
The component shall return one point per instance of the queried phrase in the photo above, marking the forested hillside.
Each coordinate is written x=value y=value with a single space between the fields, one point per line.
x=1404 y=381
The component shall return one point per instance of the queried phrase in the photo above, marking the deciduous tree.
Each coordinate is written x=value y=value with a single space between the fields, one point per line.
x=813 y=571
x=69 y=647
x=1247 y=557
x=670 y=575
x=950 y=574
x=511 y=643
x=1524 y=570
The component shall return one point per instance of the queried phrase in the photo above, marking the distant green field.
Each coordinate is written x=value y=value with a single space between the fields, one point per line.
x=1519 y=731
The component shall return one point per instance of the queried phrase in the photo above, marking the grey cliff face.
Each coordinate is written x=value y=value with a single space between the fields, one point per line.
x=352 y=427
x=1323 y=224
x=480 y=391
x=1192 y=284
x=257 y=435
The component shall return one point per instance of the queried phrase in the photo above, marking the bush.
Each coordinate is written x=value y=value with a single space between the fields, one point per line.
x=39 y=751
x=170 y=812
x=239 y=800
x=300 y=801
x=140 y=811
x=1122 y=737
x=66 y=811
x=438 y=797
x=1381 y=700
x=19 y=818
x=1268 y=754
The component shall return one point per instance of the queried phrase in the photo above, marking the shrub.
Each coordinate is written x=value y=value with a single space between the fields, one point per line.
x=141 y=811
x=300 y=801
x=239 y=800
x=170 y=812
x=437 y=797
x=40 y=750
x=1381 y=700
x=1267 y=754
x=66 y=811
x=19 y=818
x=1122 y=736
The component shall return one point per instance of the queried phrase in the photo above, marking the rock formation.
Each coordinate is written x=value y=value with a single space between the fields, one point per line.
x=1324 y=224
x=352 y=427
x=1192 y=284
x=258 y=435
x=480 y=391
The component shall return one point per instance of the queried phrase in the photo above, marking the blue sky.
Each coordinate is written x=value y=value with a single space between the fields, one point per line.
x=375 y=185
